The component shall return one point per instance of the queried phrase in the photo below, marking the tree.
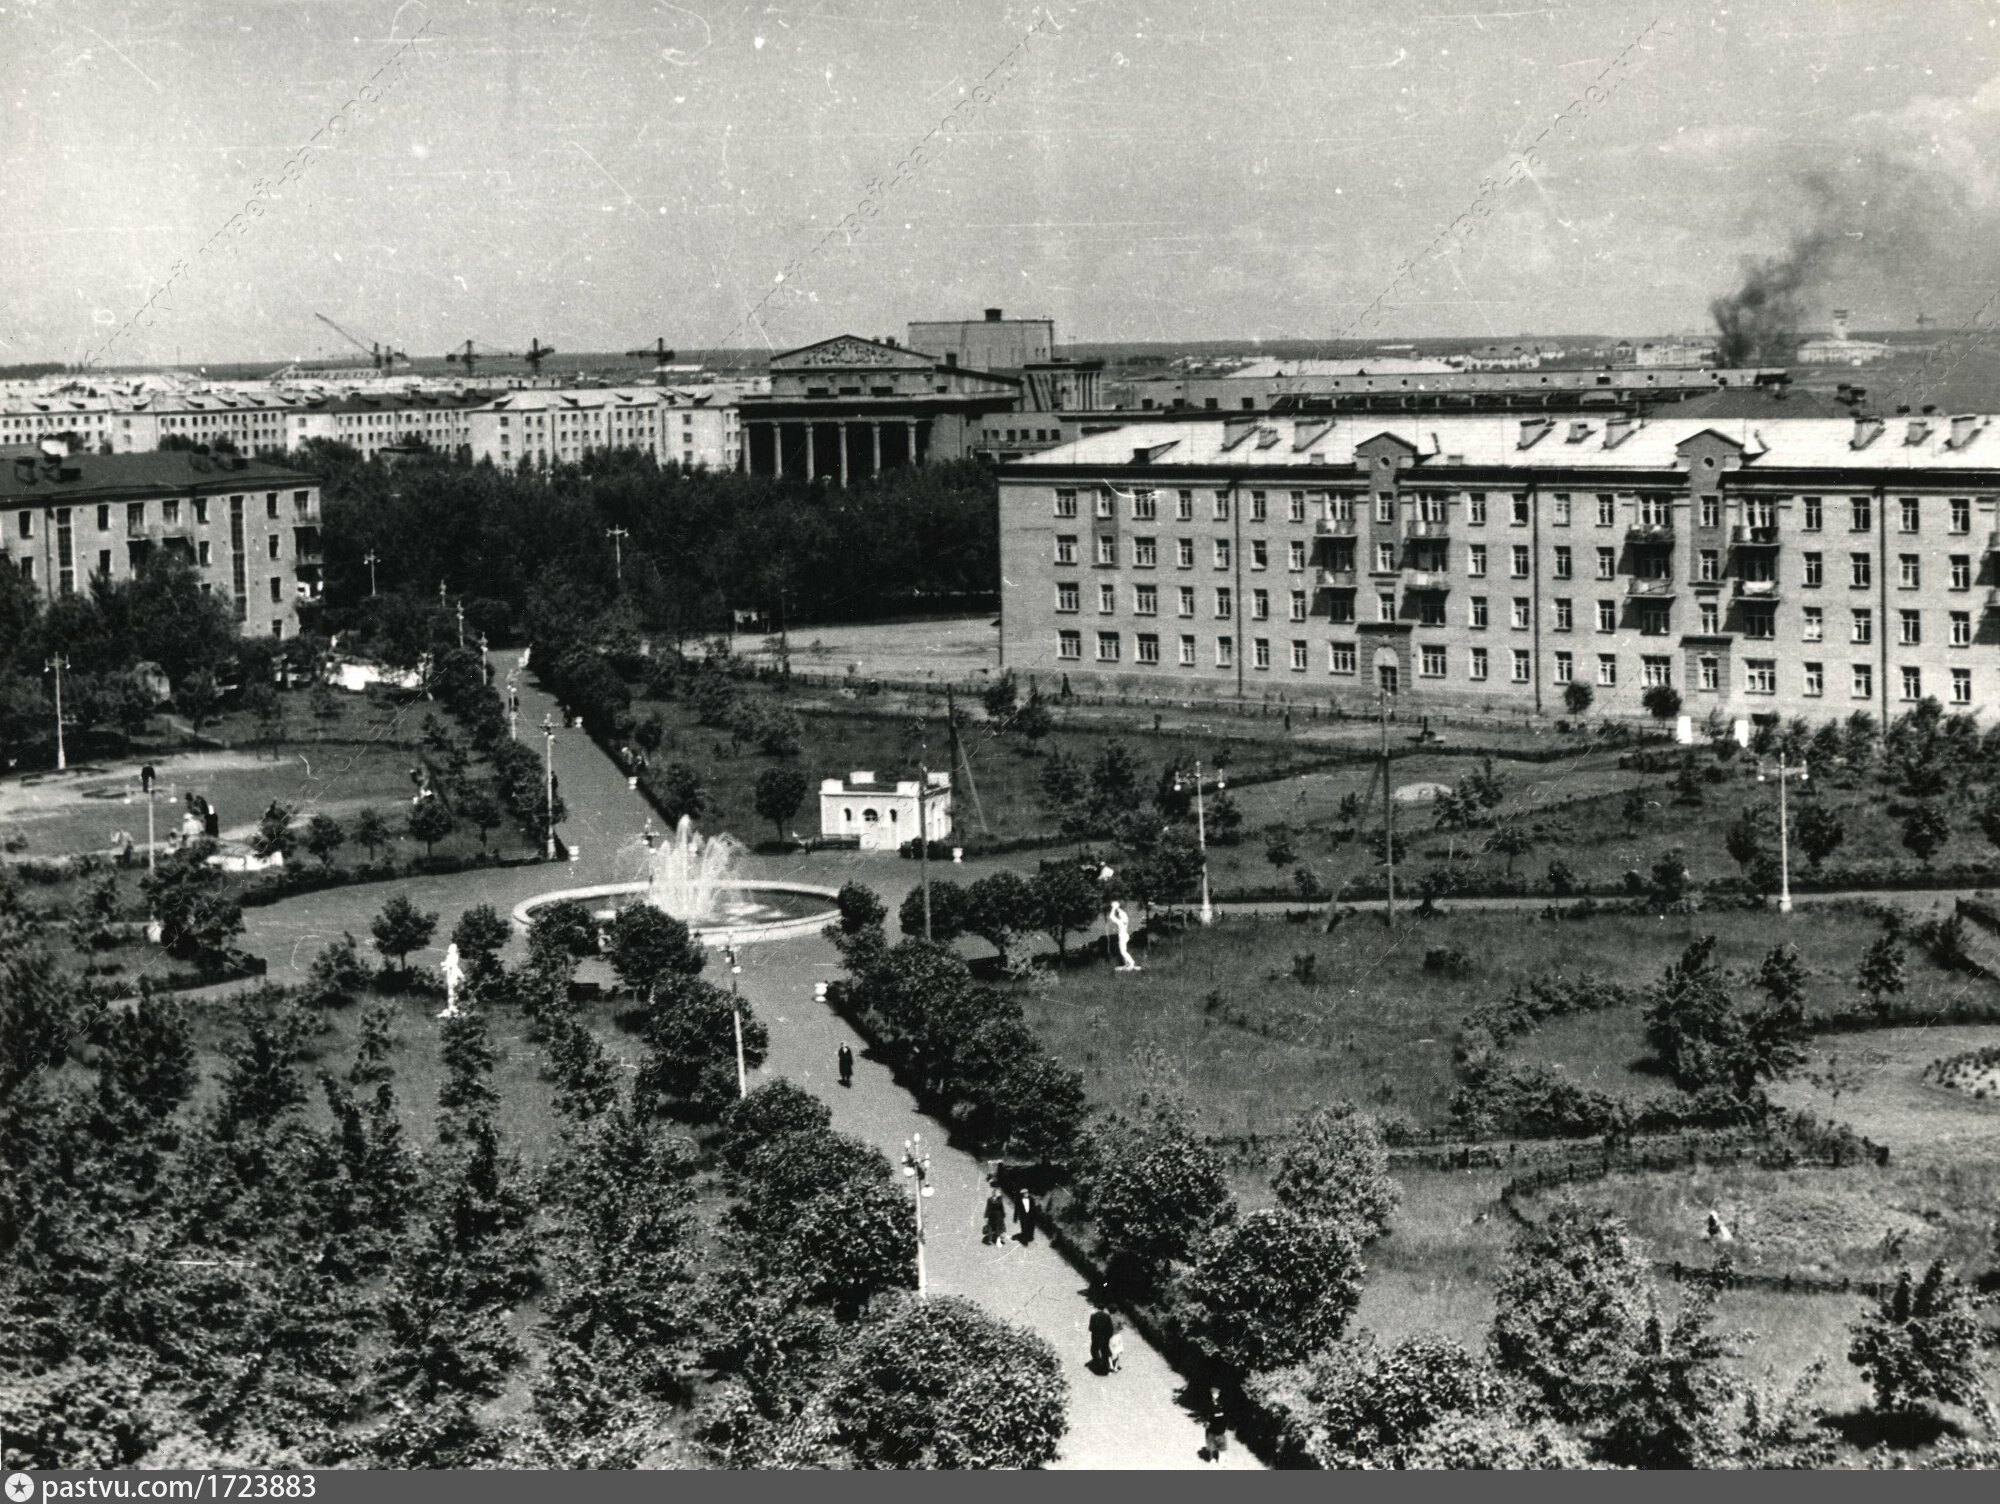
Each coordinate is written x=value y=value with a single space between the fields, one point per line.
x=324 y=837
x=1747 y=840
x=846 y=1245
x=1820 y=832
x=1925 y=829
x=1513 y=841
x=197 y=916
x=998 y=909
x=770 y=1112
x=1571 y=1308
x=1154 y=1187
x=680 y=793
x=480 y=934
x=563 y=929
x=1662 y=701
x=483 y=810
x=1034 y=721
x=859 y=908
x=780 y=792
x=1273 y=1288
x=430 y=822
x=401 y=928
x=940 y=1384
x=1000 y=697
x=1920 y=1343
x=1578 y=697
x=372 y=831
x=1665 y=1410
x=1066 y=900
x=197 y=697
x=1279 y=850
x=1364 y=1405
x=1063 y=783
x=1884 y=971
x=689 y=1028
x=647 y=946
x=1335 y=1168
x=948 y=911
x=275 y=836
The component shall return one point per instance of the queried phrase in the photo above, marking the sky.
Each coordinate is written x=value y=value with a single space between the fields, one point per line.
x=602 y=173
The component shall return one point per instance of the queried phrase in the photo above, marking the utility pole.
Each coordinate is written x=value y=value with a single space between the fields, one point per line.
x=924 y=835
x=1201 y=838
x=371 y=559
x=549 y=782
x=618 y=535
x=1388 y=811
x=736 y=1013
x=1785 y=775
x=917 y=1166
x=461 y=623
x=146 y=777
x=441 y=599
x=56 y=666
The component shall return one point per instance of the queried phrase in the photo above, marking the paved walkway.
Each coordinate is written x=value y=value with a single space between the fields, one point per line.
x=1131 y=1419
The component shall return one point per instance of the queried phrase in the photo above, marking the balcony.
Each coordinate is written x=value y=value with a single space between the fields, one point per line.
x=1757 y=590
x=1427 y=579
x=1650 y=589
x=1337 y=527
x=1744 y=535
x=1649 y=532
x=1427 y=527
x=1333 y=579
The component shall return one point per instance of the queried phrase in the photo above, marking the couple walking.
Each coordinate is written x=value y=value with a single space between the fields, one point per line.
x=996 y=1215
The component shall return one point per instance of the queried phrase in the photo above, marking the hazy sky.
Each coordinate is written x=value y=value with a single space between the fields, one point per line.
x=603 y=172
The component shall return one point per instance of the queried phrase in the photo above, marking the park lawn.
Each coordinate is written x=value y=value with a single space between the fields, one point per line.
x=1875 y=1081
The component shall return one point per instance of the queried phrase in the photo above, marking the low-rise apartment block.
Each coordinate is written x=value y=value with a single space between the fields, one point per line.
x=696 y=428
x=1809 y=566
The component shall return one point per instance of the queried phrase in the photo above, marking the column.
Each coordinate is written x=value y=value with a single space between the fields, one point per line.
x=809 y=449
x=777 y=449
x=910 y=438
x=875 y=447
x=843 y=455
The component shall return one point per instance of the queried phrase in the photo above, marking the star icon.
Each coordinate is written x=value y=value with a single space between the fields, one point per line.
x=20 y=1488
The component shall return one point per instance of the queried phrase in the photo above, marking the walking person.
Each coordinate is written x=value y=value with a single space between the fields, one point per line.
x=1215 y=1430
x=846 y=1060
x=996 y=1217
x=1102 y=1329
x=1024 y=1208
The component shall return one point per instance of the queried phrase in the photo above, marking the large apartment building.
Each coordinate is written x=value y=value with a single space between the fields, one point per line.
x=251 y=530
x=695 y=428
x=1796 y=565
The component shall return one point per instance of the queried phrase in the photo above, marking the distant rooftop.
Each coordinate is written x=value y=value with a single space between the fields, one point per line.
x=90 y=476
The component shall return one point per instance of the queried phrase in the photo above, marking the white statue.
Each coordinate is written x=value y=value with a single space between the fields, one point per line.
x=454 y=977
x=1122 y=923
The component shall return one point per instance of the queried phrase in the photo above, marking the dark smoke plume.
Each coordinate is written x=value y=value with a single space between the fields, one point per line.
x=1758 y=324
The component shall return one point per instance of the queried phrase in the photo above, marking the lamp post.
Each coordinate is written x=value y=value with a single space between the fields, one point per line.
x=1784 y=775
x=371 y=559
x=146 y=779
x=736 y=1013
x=618 y=535
x=1201 y=833
x=56 y=666
x=549 y=782
x=461 y=623
x=917 y=1166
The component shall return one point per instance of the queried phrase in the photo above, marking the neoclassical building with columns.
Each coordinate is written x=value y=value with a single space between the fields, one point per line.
x=849 y=408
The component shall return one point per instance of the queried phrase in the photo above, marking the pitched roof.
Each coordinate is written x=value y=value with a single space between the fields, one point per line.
x=87 y=476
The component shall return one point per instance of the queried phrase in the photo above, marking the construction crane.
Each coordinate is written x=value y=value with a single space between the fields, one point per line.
x=382 y=357
x=473 y=353
x=660 y=354
x=537 y=352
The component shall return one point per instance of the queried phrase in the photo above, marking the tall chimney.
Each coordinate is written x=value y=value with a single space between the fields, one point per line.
x=1840 y=324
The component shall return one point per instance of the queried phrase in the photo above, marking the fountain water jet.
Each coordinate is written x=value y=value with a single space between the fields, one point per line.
x=687 y=871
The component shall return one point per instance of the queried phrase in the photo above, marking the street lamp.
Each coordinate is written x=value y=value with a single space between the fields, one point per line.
x=56 y=666
x=371 y=559
x=1201 y=832
x=1784 y=775
x=736 y=1013
x=917 y=1166
x=549 y=781
x=618 y=535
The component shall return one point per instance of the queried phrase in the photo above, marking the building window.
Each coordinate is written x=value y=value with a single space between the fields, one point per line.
x=1260 y=605
x=1478 y=608
x=1107 y=647
x=1105 y=509
x=1708 y=565
x=1913 y=683
x=1340 y=609
x=1221 y=506
x=1518 y=568
x=1708 y=668
x=1760 y=623
x=1814 y=628
x=271 y=545
x=1565 y=669
x=1565 y=563
x=1908 y=574
x=1295 y=555
x=1385 y=605
x=1187 y=651
x=1184 y=507
x=1065 y=500
x=1607 y=616
x=1961 y=629
x=1815 y=571
x=1107 y=599
x=1145 y=600
x=1146 y=648
x=1260 y=557
x=1385 y=507
x=1145 y=553
x=1860 y=514
x=271 y=507
x=1864 y=625
x=1475 y=508
x=1565 y=614
x=1225 y=603
x=1184 y=553
x=1260 y=652
x=1711 y=511
x=1430 y=609
x=1430 y=662
x=1864 y=681
x=1815 y=517
x=1145 y=506
x=1385 y=558
x=1607 y=563
x=1187 y=600
x=203 y=554
x=1961 y=514
x=277 y=589
x=1066 y=599
x=1961 y=686
x=1295 y=510
x=1760 y=676
x=1518 y=508
x=1607 y=670
x=1518 y=613
x=1961 y=571
x=1861 y=571
x=1653 y=621
x=1298 y=656
x=1298 y=605
x=1561 y=508
x=1908 y=518
x=1520 y=666
x=1910 y=628
x=1656 y=670
x=1815 y=680
x=1107 y=549
x=1069 y=645
x=1340 y=658
x=1225 y=652
x=1475 y=561
x=1477 y=667
x=1221 y=553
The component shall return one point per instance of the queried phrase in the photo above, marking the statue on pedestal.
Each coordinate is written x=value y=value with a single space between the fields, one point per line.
x=454 y=978
x=1122 y=923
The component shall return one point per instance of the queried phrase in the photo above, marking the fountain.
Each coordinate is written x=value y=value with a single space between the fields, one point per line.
x=688 y=875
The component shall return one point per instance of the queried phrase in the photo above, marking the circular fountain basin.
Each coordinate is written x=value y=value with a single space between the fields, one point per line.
x=746 y=910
